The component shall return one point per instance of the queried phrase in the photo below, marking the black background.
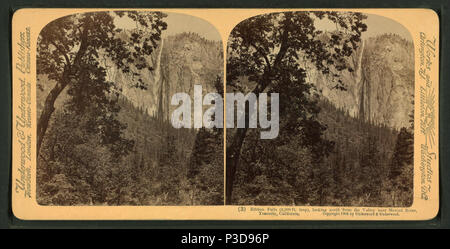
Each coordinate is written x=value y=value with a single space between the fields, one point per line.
x=172 y=237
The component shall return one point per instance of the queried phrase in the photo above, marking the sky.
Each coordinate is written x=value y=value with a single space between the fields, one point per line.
x=179 y=23
x=376 y=25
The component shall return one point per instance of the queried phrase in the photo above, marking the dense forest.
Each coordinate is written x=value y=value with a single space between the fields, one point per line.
x=164 y=166
x=367 y=165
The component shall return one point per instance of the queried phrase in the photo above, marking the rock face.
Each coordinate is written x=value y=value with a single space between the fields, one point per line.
x=381 y=87
x=179 y=62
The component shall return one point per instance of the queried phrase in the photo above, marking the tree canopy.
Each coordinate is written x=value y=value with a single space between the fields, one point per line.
x=71 y=51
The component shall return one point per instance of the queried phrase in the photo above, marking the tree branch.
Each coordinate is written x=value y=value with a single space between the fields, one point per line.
x=62 y=52
x=259 y=50
x=283 y=48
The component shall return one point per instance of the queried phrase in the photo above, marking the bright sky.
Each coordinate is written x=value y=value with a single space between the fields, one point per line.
x=179 y=23
x=376 y=25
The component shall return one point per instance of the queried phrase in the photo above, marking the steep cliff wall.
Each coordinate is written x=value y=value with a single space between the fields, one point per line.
x=381 y=87
x=178 y=63
x=187 y=60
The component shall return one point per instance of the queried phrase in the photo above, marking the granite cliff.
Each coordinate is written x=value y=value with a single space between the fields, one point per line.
x=380 y=89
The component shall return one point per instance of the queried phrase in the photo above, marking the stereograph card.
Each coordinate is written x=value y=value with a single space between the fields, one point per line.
x=225 y=114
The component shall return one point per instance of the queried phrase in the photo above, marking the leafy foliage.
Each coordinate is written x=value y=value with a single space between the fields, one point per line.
x=69 y=52
x=70 y=46
x=267 y=47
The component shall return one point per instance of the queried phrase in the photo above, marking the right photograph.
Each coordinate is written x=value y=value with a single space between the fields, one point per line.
x=338 y=89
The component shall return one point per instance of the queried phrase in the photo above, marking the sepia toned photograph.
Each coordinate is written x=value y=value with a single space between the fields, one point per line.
x=225 y=114
x=104 y=86
x=345 y=103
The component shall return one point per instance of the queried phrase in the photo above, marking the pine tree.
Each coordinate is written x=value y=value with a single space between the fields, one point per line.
x=401 y=171
x=403 y=153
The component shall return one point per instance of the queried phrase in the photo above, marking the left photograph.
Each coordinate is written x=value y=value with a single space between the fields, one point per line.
x=106 y=83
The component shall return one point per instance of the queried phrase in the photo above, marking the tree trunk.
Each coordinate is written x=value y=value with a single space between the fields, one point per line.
x=234 y=149
x=47 y=111
x=49 y=104
x=233 y=154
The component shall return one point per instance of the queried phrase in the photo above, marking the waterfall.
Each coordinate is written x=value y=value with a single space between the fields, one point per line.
x=157 y=78
x=359 y=69
x=158 y=63
x=361 y=79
